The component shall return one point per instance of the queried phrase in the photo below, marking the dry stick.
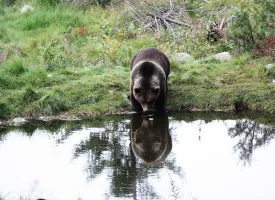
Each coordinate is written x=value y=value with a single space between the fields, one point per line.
x=156 y=20
x=170 y=20
x=170 y=27
x=140 y=17
x=171 y=4
x=133 y=15
x=221 y=25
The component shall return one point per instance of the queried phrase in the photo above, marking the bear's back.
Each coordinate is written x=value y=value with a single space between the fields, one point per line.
x=151 y=55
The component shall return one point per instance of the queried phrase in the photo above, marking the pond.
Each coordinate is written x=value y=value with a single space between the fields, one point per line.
x=189 y=156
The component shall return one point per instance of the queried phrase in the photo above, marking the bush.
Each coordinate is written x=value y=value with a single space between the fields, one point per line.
x=52 y=53
x=3 y=108
x=79 y=3
x=4 y=34
x=30 y=95
x=7 y=2
x=254 y=23
x=48 y=2
x=15 y=67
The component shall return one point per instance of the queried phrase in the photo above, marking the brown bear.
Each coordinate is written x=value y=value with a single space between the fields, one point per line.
x=148 y=80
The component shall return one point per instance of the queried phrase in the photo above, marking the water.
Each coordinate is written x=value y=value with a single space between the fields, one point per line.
x=184 y=156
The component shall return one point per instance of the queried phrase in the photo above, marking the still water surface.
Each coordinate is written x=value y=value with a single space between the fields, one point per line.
x=185 y=156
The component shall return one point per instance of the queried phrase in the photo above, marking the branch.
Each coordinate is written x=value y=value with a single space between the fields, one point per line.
x=169 y=20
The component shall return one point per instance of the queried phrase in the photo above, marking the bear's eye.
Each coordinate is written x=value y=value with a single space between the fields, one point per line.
x=155 y=90
x=137 y=90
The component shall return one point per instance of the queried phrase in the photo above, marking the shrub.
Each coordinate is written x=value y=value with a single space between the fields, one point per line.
x=85 y=3
x=48 y=104
x=3 y=109
x=254 y=24
x=52 y=53
x=7 y=2
x=30 y=95
x=15 y=67
x=4 y=35
x=48 y=3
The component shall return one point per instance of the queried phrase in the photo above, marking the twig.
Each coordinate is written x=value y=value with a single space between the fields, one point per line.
x=156 y=20
x=221 y=25
x=170 y=20
x=170 y=27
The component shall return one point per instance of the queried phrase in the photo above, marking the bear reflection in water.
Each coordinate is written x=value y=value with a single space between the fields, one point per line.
x=150 y=138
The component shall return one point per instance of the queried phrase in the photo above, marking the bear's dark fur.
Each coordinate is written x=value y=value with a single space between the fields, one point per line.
x=148 y=82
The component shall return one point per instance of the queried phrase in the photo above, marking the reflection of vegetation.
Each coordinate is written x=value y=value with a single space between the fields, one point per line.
x=262 y=118
x=174 y=189
x=109 y=149
x=65 y=128
x=251 y=136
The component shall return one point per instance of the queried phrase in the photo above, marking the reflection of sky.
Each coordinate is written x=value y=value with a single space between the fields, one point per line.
x=212 y=168
x=37 y=167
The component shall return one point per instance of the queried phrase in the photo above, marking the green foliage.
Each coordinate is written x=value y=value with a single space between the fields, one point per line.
x=87 y=3
x=48 y=104
x=3 y=109
x=48 y=3
x=4 y=37
x=192 y=42
x=45 y=18
x=7 y=2
x=103 y=3
x=30 y=95
x=254 y=22
x=270 y=72
x=52 y=52
x=15 y=67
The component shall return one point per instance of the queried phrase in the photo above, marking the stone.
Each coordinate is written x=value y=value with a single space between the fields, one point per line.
x=185 y=76
x=181 y=57
x=19 y=121
x=224 y=56
x=269 y=66
x=26 y=8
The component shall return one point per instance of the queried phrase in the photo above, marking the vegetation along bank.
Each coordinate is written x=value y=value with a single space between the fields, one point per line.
x=64 y=56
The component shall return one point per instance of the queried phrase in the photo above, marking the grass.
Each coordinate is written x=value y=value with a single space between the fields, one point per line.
x=66 y=59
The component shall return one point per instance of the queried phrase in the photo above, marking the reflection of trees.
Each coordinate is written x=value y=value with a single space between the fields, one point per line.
x=61 y=128
x=251 y=136
x=110 y=149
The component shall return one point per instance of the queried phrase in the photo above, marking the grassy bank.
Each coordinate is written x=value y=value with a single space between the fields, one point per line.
x=67 y=59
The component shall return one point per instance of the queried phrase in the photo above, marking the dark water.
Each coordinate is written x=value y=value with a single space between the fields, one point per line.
x=202 y=156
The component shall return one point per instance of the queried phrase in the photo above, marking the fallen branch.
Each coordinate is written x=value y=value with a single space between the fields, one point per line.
x=170 y=20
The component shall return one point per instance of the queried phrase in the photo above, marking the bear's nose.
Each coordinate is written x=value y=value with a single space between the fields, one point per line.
x=145 y=107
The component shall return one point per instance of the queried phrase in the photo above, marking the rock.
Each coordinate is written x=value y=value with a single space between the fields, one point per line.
x=181 y=57
x=185 y=76
x=26 y=8
x=223 y=56
x=269 y=66
x=19 y=121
